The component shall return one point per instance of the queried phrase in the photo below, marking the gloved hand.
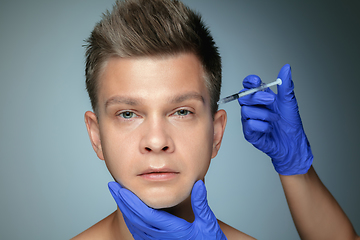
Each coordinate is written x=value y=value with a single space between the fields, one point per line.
x=271 y=122
x=148 y=223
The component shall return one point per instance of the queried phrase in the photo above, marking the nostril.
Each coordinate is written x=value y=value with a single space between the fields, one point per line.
x=148 y=149
x=165 y=148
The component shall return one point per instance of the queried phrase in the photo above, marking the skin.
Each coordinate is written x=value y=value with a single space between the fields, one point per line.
x=156 y=134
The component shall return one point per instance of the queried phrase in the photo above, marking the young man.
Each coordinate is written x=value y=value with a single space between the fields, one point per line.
x=153 y=74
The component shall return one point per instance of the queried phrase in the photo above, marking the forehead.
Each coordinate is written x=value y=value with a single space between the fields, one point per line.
x=152 y=78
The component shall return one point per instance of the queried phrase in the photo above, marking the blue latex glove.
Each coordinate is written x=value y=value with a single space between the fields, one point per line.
x=148 y=223
x=271 y=122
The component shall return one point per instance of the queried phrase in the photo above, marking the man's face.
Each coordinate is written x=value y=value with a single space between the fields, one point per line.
x=155 y=129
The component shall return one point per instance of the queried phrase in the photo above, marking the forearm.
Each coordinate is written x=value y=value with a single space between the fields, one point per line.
x=315 y=212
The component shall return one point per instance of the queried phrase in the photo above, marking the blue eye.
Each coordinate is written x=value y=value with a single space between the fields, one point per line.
x=127 y=114
x=182 y=112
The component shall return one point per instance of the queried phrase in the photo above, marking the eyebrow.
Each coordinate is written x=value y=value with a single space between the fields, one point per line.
x=187 y=96
x=136 y=101
x=124 y=100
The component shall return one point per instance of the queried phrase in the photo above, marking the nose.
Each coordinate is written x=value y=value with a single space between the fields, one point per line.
x=156 y=137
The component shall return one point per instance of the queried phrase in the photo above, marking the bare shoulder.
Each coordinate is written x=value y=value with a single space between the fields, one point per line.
x=232 y=233
x=99 y=231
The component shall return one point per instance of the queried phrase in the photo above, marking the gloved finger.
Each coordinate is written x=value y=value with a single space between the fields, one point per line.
x=250 y=135
x=251 y=81
x=138 y=233
x=259 y=113
x=199 y=203
x=115 y=188
x=131 y=219
x=287 y=103
x=205 y=219
x=132 y=216
x=127 y=211
x=286 y=89
x=159 y=220
x=258 y=98
x=251 y=127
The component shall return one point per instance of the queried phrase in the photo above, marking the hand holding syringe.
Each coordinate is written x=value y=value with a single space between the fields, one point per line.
x=250 y=91
x=272 y=123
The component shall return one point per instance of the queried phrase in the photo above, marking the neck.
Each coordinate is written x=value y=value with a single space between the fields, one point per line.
x=119 y=228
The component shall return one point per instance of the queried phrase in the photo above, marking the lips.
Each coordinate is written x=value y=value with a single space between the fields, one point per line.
x=159 y=174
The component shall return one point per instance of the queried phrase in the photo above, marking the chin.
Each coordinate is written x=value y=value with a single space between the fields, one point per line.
x=161 y=205
x=159 y=200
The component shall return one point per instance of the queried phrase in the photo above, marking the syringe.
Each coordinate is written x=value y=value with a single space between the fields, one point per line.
x=250 y=91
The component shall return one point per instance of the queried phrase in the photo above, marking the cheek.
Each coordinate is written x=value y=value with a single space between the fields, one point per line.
x=198 y=148
x=119 y=153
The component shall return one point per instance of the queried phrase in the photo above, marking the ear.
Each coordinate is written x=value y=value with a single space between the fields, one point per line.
x=93 y=129
x=220 y=119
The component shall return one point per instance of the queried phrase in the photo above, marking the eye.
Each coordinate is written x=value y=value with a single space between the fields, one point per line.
x=127 y=114
x=182 y=112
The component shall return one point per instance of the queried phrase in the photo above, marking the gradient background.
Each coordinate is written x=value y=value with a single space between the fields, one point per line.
x=52 y=184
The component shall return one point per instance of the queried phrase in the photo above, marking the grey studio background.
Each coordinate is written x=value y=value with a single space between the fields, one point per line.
x=52 y=184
